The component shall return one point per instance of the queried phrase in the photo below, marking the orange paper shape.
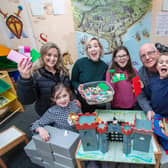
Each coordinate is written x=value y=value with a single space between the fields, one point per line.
x=4 y=51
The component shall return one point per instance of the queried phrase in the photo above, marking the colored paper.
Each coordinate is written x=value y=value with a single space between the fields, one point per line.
x=35 y=55
x=103 y=86
x=4 y=50
x=112 y=70
x=15 y=56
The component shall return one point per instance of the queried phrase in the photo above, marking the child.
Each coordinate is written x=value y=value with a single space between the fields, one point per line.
x=121 y=63
x=57 y=115
x=37 y=87
x=89 y=69
x=159 y=87
x=159 y=100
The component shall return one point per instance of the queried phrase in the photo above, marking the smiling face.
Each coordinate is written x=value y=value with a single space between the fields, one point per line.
x=50 y=58
x=162 y=66
x=149 y=56
x=94 y=50
x=62 y=98
x=121 y=58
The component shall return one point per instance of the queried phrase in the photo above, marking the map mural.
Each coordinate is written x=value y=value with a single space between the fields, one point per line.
x=115 y=23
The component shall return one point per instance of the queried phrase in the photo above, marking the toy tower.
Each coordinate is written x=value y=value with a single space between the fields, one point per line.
x=143 y=131
x=102 y=137
x=127 y=130
x=86 y=125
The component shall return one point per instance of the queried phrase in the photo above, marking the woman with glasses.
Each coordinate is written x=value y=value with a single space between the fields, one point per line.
x=119 y=75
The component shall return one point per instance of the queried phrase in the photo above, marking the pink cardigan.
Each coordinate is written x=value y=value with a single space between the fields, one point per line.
x=124 y=97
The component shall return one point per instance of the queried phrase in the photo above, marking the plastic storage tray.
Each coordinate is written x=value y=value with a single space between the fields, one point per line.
x=3 y=86
x=6 y=98
x=98 y=92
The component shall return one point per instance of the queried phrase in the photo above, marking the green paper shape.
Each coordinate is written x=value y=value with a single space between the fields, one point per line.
x=115 y=79
x=122 y=77
x=103 y=86
x=4 y=86
x=112 y=70
x=35 y=55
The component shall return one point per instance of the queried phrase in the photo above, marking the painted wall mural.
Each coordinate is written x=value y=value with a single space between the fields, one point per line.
x=115 y=23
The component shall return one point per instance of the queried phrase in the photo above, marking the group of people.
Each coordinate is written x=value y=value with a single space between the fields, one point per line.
x=52 y=89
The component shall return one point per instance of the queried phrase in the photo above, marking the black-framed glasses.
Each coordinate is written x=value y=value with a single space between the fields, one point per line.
x=149 y=53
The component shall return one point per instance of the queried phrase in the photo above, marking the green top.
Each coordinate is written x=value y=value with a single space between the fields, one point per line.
x=85 y=70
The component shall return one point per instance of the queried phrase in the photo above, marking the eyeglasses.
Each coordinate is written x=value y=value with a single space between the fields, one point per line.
x=149 y=53
x=121 y=56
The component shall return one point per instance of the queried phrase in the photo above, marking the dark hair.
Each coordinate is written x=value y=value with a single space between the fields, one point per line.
x=128 y=68
x=57 y=90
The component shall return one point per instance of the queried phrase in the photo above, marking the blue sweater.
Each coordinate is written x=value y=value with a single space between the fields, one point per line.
x=159 y=95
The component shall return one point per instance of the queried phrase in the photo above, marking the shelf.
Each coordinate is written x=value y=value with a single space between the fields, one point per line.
x=6 y=98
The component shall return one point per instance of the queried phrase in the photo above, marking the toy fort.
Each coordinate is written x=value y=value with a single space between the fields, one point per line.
x=96 y=135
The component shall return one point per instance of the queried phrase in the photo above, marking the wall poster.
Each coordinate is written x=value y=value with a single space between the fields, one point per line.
x=115 y=23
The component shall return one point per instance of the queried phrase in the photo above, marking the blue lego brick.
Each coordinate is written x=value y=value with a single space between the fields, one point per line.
x=126 y=144
x=40 y=144
x=46 y=156
x=60 y=159
x=89 y=139
x=37 y=161
x=31 y=150
x=103 y=142
x=64 y=145
x=141 y=142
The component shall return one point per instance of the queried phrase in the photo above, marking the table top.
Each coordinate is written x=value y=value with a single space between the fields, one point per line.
x=115 y=151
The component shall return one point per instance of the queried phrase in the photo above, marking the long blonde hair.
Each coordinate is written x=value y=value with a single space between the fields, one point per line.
x=59 y=65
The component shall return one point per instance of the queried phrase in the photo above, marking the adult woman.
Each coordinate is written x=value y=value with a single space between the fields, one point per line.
x=89 y=69
x=36 y=87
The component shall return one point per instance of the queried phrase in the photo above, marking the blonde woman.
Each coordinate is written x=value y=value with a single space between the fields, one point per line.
x=36 y=86
x=89 y=69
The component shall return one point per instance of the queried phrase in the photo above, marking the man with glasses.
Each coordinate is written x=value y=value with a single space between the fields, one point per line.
x=148 y=55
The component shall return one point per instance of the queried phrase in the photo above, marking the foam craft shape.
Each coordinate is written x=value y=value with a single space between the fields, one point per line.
x=35 y=55
x=112 y=70
x=15 y=56
x=103 y=86
x=116 y=79
x=4 y=50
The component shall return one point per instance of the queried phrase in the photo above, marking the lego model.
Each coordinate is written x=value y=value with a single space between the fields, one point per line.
x=59 y=151
x=96 y=135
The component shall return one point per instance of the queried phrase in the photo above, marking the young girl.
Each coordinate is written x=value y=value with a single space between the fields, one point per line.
x=37 y=87
x=89 y=69
x=57 y=115
x=121 y=64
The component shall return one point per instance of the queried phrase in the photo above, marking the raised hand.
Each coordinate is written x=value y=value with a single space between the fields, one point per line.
x=24 y=67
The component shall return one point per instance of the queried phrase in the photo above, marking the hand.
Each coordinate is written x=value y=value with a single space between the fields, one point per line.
x=24 y=67
x=77 y=102
x=43 y=133
x=150 y=115
x=80 y=90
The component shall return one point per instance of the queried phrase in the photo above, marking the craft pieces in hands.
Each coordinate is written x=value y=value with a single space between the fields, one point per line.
x=24 y=53
x=137 y=85
x=117 y=76
x=97 y=92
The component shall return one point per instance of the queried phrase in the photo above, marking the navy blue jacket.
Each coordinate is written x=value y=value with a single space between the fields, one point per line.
x=38 y=88
x=159 y=95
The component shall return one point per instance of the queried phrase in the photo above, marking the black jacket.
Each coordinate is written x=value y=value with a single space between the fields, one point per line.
x=38 y=88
